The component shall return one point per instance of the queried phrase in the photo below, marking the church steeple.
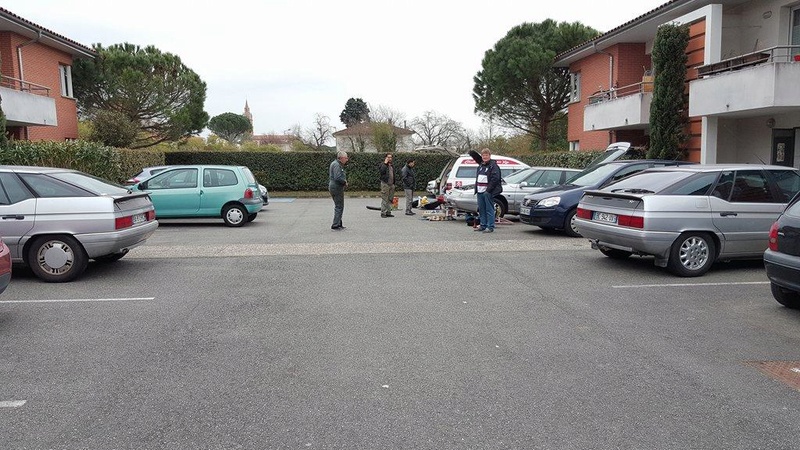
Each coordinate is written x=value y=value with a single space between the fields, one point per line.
x=247 y=113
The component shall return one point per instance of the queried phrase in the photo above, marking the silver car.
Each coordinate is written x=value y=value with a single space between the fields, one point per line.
x=515 y=187
x=56 y=220
x=688 y=217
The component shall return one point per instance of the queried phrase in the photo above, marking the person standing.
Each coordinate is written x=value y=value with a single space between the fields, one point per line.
x=407 y=177
x=488 y=184
x=337 y=182
x=387 y=185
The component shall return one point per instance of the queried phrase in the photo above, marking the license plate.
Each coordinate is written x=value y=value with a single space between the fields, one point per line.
x=525 y=211
x=604 y=217
x=139 y=218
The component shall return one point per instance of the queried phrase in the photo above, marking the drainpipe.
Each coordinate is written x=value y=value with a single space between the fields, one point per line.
x=19 y=54
x=610 y=79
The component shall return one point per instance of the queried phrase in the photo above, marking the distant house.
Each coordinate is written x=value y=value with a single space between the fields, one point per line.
x=361 y=138
x=743 y=73
x=36 y=80
x=282 y=141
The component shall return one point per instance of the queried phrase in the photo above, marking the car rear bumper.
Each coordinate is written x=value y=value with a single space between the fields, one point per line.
x=783 y=269
x=101 y=244
x=657 y=243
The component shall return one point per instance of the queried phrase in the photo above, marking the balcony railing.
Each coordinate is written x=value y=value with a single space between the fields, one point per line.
x=777 y=54
x=624 y=91
x=24 y=86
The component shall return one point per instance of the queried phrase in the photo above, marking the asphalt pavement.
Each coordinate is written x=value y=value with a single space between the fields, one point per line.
x=394 y=333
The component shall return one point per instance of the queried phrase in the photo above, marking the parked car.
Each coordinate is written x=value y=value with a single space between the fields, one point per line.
x=515 y=187
x=782 y=257
x=555 y=207
x=688 y=217
x=146 y=173
x=229 y=192
x=462 y=170
x=264 y=194
x=5 y=266
x=56 y=220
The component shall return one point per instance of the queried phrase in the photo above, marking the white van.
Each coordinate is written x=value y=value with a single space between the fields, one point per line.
x=462 y=170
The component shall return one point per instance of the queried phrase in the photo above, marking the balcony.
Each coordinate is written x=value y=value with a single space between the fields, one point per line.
x=759 y=83
x=622 y=108
x=26 y=104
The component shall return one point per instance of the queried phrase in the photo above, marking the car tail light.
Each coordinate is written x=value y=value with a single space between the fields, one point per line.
x=631 y=221
x=128 y=221
x=773 y=237
x=123 y=222
x=584 y=213
x=440 y=198
x=150 y=215
x=248 y=193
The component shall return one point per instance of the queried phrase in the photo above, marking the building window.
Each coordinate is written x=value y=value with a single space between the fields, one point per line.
x=575 y=87
x=574 y=146
x=65 y=73
x=794 y=32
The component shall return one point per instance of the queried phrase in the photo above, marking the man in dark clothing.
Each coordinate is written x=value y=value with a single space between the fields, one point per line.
x=387 y=185
x=337 y=182
x=488 y=184
x=407 y=177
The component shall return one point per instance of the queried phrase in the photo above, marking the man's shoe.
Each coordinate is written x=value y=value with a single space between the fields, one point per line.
x=390 y=215
x=479 y=229
x=384 y=216
x=411 y=213
x=489 y=230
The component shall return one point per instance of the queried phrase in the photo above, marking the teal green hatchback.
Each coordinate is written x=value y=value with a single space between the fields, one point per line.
x=229 y=192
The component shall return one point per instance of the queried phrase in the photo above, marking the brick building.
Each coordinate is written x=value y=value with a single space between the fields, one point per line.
x=36 y=80
x=743 y=69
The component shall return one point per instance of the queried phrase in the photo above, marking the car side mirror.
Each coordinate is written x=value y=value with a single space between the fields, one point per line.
x=523 y=184
x=143 y=185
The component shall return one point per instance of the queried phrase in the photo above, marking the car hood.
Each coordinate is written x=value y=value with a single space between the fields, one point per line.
x=557 y=190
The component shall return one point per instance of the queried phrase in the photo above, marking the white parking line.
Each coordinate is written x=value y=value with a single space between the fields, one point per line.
x=688 y=284
x=12 y=403
x=68 y=300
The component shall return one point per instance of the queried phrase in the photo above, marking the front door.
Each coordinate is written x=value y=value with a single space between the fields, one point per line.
x=782 y=148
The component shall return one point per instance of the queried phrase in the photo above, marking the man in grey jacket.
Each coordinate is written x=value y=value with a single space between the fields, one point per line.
x=337 y=182
x=407 y=177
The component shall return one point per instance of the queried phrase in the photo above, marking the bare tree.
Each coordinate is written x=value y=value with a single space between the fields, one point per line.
x=320 y=133
x=437 y=129
x=386 y=114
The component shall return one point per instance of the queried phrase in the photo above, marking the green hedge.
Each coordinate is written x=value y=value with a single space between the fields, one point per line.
x=278 y=171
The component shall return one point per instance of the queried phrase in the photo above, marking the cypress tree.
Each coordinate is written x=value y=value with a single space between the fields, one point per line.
x=667 y=119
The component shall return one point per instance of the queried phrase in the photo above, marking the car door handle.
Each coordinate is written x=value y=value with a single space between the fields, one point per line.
x=728 y=213
x=14 y=217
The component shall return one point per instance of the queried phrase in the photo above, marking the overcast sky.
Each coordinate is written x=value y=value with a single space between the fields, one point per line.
x=292 y=59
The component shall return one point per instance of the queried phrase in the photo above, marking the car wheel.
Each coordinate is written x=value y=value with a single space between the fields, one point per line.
x=234 y=215
x=57 y=259
x=786 y=297
x=500 y=208
x=251 y=217
x=569 y=225
x=614 y=253
x=692 y=254
x=112 y=257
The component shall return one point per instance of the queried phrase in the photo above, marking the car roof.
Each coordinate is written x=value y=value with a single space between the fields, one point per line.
x=36 y=169
x=718 y=167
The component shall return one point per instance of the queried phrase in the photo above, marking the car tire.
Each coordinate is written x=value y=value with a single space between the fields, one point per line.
x=614 y=253
x=56 y=259
x=692 y=254
x=569 y=224
x=251 y=217
x=786 y=297
x=500 y=208
x=234 y=215
x=114 y=257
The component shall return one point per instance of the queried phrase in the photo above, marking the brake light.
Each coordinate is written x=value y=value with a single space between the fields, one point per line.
x=123 y=222
x=150 y=215
x=631 y=221
x=584 y=213
x=248 y=193
x=773 y=237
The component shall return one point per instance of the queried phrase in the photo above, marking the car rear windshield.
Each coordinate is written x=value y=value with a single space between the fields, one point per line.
x=655 y=181
x=91 y=183
x=594 y=175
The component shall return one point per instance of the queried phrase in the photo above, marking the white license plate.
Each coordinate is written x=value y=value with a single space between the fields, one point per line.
x=139 y=218
x=525 y=211
x=604 y=217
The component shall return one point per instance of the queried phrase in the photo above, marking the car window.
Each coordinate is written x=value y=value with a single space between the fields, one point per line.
x=519 y=176
x=628 y=170
x=506 y=172
x=49 y=187
x=466 y=172
x=250 y=177
x=549 y=178
x=787 y=182
x=794 y=208
x=90 y=182
x=592 y=176
x=219 y=177
x=724 y=186
x=699 y=184
x=174 y=179
x=750 y=186
x=11 y=189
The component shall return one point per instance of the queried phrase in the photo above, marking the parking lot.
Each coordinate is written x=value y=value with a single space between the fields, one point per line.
x=394 y=333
